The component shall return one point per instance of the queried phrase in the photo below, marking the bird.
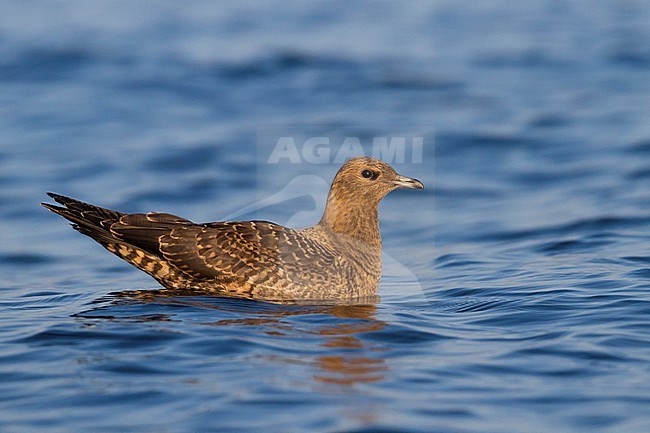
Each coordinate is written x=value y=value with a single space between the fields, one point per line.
x=337 y=259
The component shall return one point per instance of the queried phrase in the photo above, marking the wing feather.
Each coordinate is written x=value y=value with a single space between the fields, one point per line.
x=243 y=252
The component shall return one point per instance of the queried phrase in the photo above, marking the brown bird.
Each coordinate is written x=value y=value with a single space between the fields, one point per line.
x=337 y=259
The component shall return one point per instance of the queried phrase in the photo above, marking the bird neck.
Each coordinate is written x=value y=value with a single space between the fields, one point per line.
x=353 y=217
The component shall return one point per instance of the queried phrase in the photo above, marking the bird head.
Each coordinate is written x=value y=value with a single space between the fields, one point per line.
x=371 y=178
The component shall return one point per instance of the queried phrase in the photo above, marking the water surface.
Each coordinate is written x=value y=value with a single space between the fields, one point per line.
x=516 y=292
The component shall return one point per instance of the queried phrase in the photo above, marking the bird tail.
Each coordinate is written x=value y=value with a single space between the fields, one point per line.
x=88 y=219
x=96 y=222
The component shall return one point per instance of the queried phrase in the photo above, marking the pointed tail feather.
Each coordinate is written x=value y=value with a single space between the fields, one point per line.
x=137 y=244
x=86 y=211
x=106 y=226
x=91 y=220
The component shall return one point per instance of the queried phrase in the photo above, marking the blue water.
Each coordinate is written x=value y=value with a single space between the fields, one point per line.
x=516 y=291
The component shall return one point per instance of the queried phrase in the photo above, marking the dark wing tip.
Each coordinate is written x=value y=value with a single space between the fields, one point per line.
x=59 y=198
x=52 y=207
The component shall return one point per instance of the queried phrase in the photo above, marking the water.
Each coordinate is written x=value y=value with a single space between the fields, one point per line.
x=516 y=295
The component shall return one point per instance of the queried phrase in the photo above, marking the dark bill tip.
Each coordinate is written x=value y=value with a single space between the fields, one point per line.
x=408 y=182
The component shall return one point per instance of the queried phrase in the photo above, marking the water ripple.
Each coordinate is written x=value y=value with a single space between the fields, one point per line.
x=515 y=295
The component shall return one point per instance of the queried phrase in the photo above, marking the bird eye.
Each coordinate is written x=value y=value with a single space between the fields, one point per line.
x=368 y=174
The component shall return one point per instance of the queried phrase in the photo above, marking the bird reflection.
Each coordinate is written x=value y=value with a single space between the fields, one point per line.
x=349 y=359
x=355 y=365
